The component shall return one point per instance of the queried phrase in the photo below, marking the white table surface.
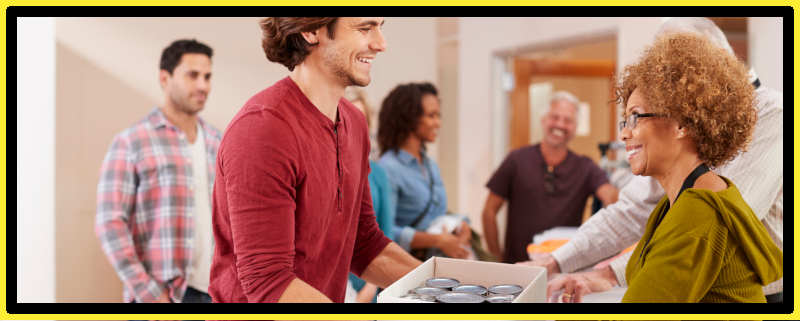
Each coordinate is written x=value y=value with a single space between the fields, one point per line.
x=611 y=296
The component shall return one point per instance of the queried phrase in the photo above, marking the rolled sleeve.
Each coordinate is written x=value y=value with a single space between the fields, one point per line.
x=566 y=257
x=597 y=177
x=259 y=166
x=500 y=182
x=404 y=235
x=619 y=265
x=613 y=228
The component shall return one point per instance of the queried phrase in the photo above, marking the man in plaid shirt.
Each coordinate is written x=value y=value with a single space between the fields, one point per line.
x=153 y=208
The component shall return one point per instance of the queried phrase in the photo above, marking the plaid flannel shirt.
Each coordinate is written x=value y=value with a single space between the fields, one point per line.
x=145 y=216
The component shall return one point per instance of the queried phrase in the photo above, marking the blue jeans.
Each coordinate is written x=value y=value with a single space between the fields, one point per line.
x=193 y=295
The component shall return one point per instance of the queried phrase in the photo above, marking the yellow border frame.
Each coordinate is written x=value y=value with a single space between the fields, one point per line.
x=3 y=165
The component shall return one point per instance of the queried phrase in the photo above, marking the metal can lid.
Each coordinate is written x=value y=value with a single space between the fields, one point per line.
x=410 y=296
x=429 y=291
x=470 y=288
x=512 y=289
x=500 y=298
x=427 y=298
x=442 y=283
x=460 y=297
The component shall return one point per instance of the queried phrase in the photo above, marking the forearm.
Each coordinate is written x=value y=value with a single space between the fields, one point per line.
x=608 y=275
x=618 y=267
x=299 y=291
x=117 y=244
x=595 y=241
x=608 y=194
x=116 y=201
x=489 y=219
x=613 y=228
x=366 y=293
x=490 y=234
x=422 y=240
x=389 y=266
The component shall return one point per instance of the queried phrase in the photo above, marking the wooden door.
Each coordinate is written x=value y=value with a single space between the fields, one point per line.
x=527 y=69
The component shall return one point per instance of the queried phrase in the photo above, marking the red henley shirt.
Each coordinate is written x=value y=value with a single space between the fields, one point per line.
x=291 y=199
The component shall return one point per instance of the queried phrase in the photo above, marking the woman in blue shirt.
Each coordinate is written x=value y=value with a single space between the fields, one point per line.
x=410 y=118
x=381 y=197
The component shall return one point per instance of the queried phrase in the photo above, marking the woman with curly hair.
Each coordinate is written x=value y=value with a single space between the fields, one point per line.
x=409 y=118
x=689 y=108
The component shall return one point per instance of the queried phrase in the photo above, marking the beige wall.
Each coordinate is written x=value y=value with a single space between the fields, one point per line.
x=129 y=49
x=91 y=106
x=448 y=63
x=107 y=79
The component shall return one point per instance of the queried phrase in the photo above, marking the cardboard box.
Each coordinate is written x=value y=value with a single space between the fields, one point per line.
x=532 y=279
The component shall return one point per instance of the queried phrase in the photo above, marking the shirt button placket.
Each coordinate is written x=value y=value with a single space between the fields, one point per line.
x=338 y=172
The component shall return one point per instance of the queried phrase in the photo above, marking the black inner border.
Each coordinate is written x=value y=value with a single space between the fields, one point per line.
x=19 y=309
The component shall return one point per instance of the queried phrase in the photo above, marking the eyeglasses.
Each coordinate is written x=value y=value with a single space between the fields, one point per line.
x=632 y=119
x=549 y=181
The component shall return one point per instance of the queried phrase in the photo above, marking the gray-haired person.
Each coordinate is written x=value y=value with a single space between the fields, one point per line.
x=758 y=173
x=546 y=185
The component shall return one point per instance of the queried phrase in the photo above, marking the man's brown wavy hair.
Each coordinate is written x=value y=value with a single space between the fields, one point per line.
x=282 y=41
x=704 y=88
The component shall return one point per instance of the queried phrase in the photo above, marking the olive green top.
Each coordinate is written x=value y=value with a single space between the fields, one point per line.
x=709 y=247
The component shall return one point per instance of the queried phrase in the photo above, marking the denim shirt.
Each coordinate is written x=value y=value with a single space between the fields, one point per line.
x=410 y=191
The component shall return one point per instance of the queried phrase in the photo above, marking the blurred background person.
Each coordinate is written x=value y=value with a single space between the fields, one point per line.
x=546 y=184
x=410 y=118
x=757 y=172
x=153 y=209
x=365 y=292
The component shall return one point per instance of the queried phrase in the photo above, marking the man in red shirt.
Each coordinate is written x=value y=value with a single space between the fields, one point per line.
x=292 y=207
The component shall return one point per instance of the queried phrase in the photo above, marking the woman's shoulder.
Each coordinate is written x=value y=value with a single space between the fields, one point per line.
x=711 y=182
x=391 y=165
x=388 y=159
x=703 y=202
x=376 y=170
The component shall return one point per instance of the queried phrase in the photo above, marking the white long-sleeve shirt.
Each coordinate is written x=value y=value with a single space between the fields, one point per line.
x=757 y=173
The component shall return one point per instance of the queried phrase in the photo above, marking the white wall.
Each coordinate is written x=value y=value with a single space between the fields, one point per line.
x=765 y=49
x=35 y=160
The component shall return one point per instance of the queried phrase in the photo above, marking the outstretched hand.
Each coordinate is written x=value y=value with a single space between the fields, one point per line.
x=450 y=244
x=575 y=285
x=544 y=260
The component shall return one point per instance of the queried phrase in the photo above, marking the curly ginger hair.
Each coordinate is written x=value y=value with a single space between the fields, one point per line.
x=686 y=78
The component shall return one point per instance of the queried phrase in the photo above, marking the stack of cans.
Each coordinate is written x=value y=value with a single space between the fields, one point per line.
x=449 y=290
